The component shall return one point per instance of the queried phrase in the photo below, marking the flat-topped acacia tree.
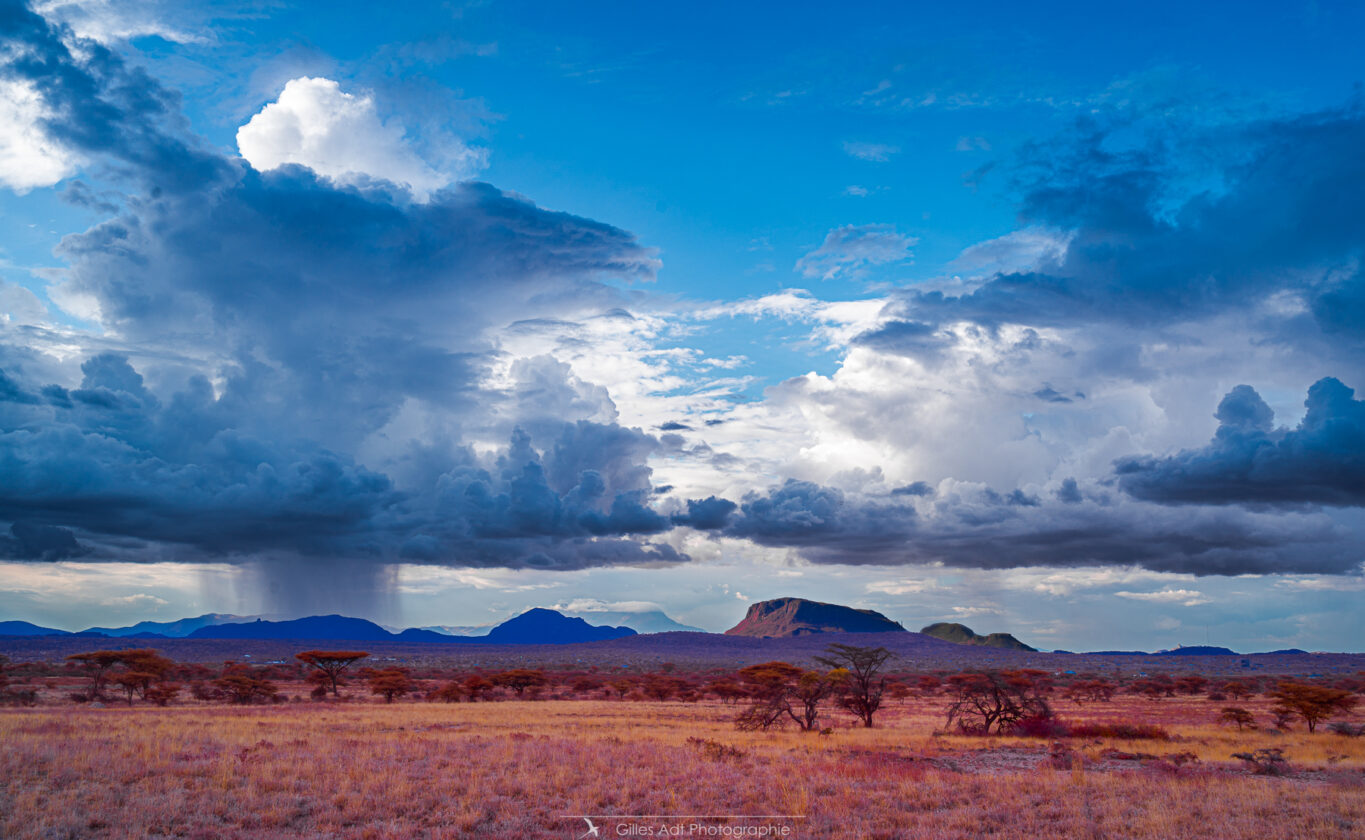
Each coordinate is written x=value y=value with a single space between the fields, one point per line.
x=331 y=662
x=863 y=684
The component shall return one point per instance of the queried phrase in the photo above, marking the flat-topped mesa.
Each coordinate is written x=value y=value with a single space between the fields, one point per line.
x=962 y=634
x=782 y=617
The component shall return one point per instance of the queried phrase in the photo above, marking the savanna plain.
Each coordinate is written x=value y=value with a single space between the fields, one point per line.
x=531 y=762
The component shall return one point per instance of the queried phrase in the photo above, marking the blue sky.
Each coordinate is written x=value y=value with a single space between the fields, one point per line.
x=1046 y=319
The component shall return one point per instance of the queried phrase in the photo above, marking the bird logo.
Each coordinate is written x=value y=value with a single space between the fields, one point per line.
x=592 y=830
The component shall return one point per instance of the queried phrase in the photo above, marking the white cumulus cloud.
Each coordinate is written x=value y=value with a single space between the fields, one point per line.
x=339 y=135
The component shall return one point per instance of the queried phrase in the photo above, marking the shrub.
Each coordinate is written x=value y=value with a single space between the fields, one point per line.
x=1343 y=728
x=1268 y=761
x=1121 y=731
x=1040 y=727
x=715 y=750
x=20 y=695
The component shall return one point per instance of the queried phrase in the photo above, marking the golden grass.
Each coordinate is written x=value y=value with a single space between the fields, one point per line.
x=511 y=769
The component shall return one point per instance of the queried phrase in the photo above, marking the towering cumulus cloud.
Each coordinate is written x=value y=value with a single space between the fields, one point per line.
x=1322 y=460
x=304 y=359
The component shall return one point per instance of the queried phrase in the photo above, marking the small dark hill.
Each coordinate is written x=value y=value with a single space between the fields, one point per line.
x=337 y=627
x=962 y=634
x=24 y=628
x=547 y=627
x=783 y=617
x=1198 y=650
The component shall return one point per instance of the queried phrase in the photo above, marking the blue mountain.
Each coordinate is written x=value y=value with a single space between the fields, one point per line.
x=171 y=629
x=548 y=627
x=533 y=627
x=23 y=628
x=338 y=627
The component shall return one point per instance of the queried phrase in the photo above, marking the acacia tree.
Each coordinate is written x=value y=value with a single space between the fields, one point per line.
x=1313 y=703
x=780 y=688
x=141 y=668
x=97 y=664
x=146 y=669
x=476 y=687
x=992 y=699
x=330 y=663
x=389 y=682
x=1083 y=691
x=862 y=686
x=1237 y=716
x=767 y=685
x=520 y=679
x=242 y=685
x=661 y=687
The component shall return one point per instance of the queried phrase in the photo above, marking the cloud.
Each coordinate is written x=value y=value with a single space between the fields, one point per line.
x=871 y=152
x=850 y=249
x=971 y=526
x=73 y=102
x=1320 y=461
x=824 y=523
x=599 y=605
x=29 y=156
x=29 y=541
x=1145 y=249
x=340 y=136
x=707 y=514
x=1183 y=597
x=1020 y=250
x=110 y=21
x=141 y=600
x=308 y=369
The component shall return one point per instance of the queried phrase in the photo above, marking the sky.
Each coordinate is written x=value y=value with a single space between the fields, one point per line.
x=1045 y=318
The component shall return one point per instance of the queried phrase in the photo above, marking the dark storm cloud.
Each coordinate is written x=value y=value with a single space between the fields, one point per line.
x=115 y=460
x=1288 y=214
x=916 y=488
x=823 y=522
x=1321 y=461
x=707 y=514
x=27 y=541
x=111 y=458
x=976 y=527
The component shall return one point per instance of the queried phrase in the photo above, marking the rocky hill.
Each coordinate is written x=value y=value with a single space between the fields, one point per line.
x=782 y=617
x=962 y=634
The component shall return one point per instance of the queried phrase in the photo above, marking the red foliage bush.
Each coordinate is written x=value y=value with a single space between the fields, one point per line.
x=1038 y=726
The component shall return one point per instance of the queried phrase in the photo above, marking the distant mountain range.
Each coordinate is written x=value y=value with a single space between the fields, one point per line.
x=173 y=629
x=537 y=626
x=777 y=618
x=962 y=634
x=783 y=617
